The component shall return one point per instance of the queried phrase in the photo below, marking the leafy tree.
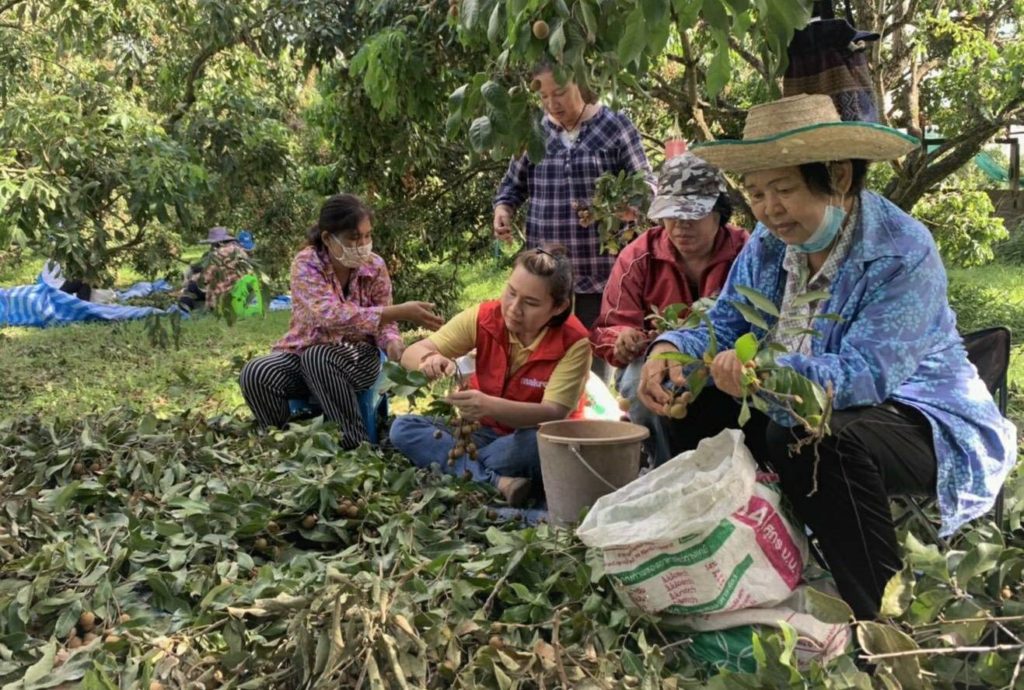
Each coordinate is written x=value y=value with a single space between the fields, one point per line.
x=124 y=118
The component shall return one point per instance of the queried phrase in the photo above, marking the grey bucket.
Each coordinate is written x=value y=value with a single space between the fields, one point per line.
x=584 y=459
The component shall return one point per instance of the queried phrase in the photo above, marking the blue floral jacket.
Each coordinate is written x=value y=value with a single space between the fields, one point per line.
x=897 y=341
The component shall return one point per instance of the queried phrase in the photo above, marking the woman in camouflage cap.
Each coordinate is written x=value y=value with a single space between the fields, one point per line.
x=685 y=258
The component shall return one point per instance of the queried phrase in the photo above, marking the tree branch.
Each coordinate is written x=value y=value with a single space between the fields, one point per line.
x=922 y=170
x=194 y=74
x=749 y=58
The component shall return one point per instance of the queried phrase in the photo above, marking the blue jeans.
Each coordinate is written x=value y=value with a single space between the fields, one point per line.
x=626 y=382
x=512 y=455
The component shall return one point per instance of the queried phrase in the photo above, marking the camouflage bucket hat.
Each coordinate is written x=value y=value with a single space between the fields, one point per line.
x=688 y=188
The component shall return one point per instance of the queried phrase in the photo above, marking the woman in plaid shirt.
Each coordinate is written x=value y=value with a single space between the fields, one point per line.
x=583 y=141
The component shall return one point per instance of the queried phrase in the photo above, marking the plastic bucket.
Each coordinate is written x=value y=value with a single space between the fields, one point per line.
x=584 y=459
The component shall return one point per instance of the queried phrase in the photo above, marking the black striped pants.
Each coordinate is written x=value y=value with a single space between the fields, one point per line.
x=331 y=373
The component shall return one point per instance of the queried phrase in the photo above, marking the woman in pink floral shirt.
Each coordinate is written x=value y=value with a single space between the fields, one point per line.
x=341 y=315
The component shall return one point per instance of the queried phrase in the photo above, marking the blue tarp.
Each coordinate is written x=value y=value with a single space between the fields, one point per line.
x=42 y=305
x=281 y=303
x=144 y=289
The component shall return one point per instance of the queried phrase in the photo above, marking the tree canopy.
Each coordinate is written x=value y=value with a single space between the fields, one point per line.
x=130 y=127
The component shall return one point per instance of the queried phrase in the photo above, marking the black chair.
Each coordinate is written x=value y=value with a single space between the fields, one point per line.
x=989 y=352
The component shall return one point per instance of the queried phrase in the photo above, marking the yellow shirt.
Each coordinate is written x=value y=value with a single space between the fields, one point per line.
x=458 y=336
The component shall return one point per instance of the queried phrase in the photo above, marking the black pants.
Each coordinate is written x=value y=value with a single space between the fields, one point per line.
x=872 y=453
x=332 y=373
x=587 y=308
x=191 y=296
x=79 y=288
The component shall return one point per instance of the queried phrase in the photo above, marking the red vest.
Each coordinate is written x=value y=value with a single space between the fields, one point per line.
x=527 y=383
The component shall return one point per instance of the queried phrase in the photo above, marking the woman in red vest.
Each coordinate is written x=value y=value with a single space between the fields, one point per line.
x=532 y=359
x=686 y=258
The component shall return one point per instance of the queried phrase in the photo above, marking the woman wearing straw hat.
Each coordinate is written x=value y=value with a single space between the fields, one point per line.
x=911 y=415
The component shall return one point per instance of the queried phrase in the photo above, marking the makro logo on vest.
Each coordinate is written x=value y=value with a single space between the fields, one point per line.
x=530 y=382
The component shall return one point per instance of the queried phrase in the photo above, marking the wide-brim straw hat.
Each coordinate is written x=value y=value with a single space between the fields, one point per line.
x=803 y=129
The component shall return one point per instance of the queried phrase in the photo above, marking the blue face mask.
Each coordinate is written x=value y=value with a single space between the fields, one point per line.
x=826 y=233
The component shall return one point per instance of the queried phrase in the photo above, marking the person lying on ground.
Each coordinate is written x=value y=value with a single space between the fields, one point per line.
x=684 y=259
x=342 y=315
x=910 y=414
x=532 y=360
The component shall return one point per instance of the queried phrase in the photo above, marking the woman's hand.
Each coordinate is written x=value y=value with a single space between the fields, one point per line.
x=435 y=365
x=503 y=223
x=629 y=343
x=727 y=371
x=651 y=391
x=472 y=404
x=420 y=313
x=395 y=349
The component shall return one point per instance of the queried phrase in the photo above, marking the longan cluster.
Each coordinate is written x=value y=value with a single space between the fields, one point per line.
x=680 y=401
x=462 y=430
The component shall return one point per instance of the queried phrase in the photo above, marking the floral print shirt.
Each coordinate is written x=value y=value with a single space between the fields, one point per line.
x=225 y=266
x=324 y=313
x=897 y=341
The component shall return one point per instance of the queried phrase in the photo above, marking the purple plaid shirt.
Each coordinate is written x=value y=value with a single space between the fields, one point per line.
x=607 y=142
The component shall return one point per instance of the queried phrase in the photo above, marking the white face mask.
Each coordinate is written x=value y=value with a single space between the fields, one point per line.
x=352 y=257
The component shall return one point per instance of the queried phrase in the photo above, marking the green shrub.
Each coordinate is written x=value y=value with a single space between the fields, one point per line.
x=962 y=224
x=1011 y=251
x=979 y=307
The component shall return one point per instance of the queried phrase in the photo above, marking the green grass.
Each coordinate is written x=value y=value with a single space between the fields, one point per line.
x=67 y=371
x=993 y=295
x=61 y=372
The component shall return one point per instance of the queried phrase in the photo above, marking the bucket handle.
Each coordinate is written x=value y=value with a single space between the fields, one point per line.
x=579 y=456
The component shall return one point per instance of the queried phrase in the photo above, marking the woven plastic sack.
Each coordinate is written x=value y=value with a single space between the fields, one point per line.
x=699 y=534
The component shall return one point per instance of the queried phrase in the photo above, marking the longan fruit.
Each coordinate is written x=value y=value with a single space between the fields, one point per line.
x=309 y=522
x=87 y=621
x=624 y=404
x=541 y=29
x=677 y=411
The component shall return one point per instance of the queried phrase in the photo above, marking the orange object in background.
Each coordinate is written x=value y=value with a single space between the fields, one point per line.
x=675 y=147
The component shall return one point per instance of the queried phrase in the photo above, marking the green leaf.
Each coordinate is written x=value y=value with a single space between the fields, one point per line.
x=589 y=20
x=687 y=12
x=716 y=17
x=469 y=13
x=758 y=300
x=811 y=296
x=633 y=40
x=719 y=69
x=744 y=415
x=979 y=560
x=494 y=95
x=457 y=98
x=677 y=357
x=495 y=24
x=655 y=11
x=746 y=347
x=876 y=638
x=39 y=670
x=697 y=380
x=964 y=633
x=827 y=608
x=556 y=41
x=899 y=591
x=750 y=314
